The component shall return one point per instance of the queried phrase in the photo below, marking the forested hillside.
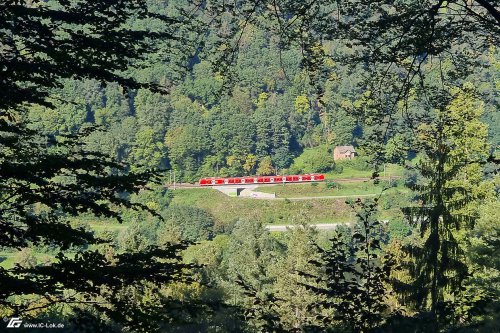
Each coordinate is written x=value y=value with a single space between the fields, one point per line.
x=267 y=117
x=200 y=129
x=102 y=101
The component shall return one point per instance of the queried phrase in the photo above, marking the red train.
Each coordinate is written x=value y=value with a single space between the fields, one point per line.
x=262 y=180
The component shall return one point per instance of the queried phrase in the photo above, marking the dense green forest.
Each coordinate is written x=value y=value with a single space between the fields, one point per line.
x=269 y=116
x=101 y=101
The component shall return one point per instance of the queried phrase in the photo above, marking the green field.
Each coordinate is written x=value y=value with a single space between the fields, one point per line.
x=391 y=170
x=226 y=209
x=321 y=189
x=8 y=259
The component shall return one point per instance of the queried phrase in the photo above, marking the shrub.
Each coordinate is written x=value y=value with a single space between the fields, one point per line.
x=410 y=177
x=332 y=185
x=317 y=159
x=399 y=229
x=195 y=224
x=338 y=169
x=359 y=163
x=389 y=183
x=26 y=258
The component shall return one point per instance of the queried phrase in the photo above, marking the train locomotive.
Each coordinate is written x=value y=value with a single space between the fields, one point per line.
x=218 y=181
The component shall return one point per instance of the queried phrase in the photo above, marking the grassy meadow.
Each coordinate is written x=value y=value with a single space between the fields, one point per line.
x=323 y=189
x=226 y=209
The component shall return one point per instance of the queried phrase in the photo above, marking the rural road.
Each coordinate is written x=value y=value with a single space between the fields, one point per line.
x=323 y=197
x=319 y=226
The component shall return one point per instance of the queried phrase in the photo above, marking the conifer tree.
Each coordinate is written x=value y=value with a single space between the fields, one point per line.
x=46 y=180
x=454 y=147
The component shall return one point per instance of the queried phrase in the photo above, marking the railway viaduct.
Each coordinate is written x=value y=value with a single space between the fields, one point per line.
x=245 y=191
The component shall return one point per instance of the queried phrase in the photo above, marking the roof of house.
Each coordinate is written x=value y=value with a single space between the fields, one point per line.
x=343 y=149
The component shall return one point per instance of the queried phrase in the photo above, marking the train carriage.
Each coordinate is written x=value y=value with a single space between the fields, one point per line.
x=218 y=181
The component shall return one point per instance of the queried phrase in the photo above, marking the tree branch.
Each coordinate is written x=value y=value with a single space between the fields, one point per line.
x=491 y=9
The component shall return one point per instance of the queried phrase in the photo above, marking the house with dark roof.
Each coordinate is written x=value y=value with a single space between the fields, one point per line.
x=344 y=153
